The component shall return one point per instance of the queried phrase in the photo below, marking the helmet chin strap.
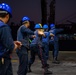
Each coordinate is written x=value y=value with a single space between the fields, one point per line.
x=53 y=28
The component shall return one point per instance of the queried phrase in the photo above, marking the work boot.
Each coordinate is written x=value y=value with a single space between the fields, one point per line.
x=47 y=72
x=29 y=68
x=47 y=65
x=55 y=61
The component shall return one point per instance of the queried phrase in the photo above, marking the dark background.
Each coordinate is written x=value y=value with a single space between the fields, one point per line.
x=65 y=17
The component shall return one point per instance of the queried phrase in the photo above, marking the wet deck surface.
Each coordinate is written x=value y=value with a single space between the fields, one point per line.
x=66 y=67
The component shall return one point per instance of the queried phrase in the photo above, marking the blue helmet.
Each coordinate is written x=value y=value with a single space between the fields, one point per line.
x=45 y=26
x=25 y=18
x=6 y=7
x=52 y=26
x=38 y=26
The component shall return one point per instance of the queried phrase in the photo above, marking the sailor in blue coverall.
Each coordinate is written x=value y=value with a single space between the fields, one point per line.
x=23 y=36
x=36 y=48
x=7 y=45
x=54 y=41
x=45 y=41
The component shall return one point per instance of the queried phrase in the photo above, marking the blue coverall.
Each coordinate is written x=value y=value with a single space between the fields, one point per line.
x=45 y=41
x=54 y=41
x=23 y=36
x=36 y=48
x=6 y=46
